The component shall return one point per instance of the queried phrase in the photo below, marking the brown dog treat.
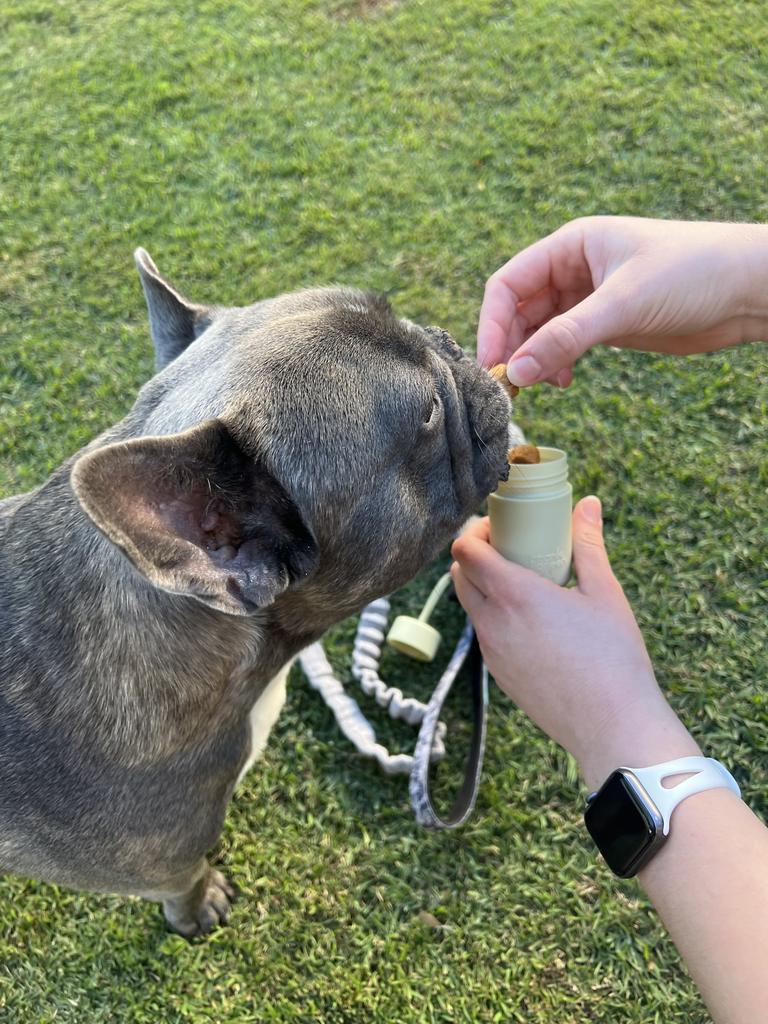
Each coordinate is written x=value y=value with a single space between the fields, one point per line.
x=499 y=373
x=528 y=454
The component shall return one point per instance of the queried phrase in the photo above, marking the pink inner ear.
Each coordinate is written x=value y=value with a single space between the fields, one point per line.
x=200 y=519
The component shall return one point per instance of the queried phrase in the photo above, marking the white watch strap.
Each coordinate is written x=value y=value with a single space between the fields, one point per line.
x=709 y=774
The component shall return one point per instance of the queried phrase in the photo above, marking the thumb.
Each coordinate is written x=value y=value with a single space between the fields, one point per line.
x=558 y=343
x=590 y=559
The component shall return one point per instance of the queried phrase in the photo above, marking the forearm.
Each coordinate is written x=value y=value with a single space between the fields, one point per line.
x=646 y=733
x=709 y=882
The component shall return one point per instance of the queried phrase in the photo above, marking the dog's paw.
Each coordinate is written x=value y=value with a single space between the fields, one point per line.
x=209 y=909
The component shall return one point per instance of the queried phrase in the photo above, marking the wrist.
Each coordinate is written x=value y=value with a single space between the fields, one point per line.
x=753 y=245
x=639 y=736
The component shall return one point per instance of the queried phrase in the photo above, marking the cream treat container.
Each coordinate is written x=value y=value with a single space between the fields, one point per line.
x=530 y=515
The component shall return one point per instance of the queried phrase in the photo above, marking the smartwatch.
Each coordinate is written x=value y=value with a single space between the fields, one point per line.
x=629 y=816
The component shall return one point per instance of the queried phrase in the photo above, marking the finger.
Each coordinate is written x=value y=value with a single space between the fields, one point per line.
x=561 y=379
x=470 y=598
x=478 y=527
x=479 y=562
x=601 y=317
x=590 y=559
x=524 y=276
x=500 y=331
x=557 y=260
x=535 y=311
x=471 y=546
x=492 y=574
x=549 y=303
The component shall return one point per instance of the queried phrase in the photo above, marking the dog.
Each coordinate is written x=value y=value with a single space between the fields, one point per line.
x=290 y=461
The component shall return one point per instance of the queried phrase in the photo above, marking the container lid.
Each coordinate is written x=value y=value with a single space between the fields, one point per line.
x=417 y=639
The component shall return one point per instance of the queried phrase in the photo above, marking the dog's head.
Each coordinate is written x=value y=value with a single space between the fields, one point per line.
x=313 y=444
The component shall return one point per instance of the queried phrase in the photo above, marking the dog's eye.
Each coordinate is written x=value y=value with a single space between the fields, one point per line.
x=433 y=409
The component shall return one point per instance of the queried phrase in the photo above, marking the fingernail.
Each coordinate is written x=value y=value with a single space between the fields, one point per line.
x=525 y=370
x=592 y=510
x=564 y=378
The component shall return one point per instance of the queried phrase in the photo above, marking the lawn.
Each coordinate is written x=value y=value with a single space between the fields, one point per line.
x=410 y=147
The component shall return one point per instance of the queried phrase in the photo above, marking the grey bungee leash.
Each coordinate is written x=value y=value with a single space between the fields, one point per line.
x=429 y=746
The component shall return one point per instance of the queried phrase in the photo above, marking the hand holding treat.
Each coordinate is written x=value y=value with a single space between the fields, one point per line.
x=659 y=286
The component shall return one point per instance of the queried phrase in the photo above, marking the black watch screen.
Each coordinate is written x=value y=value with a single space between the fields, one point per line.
x=627 y=831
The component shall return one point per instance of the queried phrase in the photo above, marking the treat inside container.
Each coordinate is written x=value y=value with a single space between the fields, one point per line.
x=536 y=477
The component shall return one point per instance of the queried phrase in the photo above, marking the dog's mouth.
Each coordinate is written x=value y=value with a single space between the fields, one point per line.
x=477 y=420
x=490 y=457
x=478 y=432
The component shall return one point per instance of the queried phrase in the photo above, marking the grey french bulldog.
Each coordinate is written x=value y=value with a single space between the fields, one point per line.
x=290 y=461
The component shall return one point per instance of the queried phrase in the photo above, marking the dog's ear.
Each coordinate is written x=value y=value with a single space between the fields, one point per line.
x=198 y=516
x=173 y=320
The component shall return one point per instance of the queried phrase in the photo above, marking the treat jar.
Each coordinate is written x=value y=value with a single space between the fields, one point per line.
x=530 y=515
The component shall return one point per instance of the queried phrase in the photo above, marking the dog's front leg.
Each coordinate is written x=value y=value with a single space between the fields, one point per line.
x=195 y=901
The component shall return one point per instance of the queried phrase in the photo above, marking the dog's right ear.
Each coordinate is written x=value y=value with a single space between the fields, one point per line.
x=173 y=320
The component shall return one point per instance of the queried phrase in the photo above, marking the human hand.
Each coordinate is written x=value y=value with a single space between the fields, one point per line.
x=659 y=286
x=572 y=658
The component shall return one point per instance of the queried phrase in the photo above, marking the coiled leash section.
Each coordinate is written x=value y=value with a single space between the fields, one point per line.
x=366 y=655
x=420 y=640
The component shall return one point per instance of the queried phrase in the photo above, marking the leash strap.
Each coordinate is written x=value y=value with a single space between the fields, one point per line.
x=468 y=650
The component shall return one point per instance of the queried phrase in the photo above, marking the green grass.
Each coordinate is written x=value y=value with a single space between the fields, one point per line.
x=410 y=147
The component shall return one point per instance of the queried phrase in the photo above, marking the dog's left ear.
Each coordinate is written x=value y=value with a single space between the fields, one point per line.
x=198 y=516
x=174 y=321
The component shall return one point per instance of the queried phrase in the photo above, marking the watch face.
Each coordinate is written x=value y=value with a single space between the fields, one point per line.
x=623 y=828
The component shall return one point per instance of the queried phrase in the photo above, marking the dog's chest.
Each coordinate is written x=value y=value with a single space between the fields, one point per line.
x=263 y=716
